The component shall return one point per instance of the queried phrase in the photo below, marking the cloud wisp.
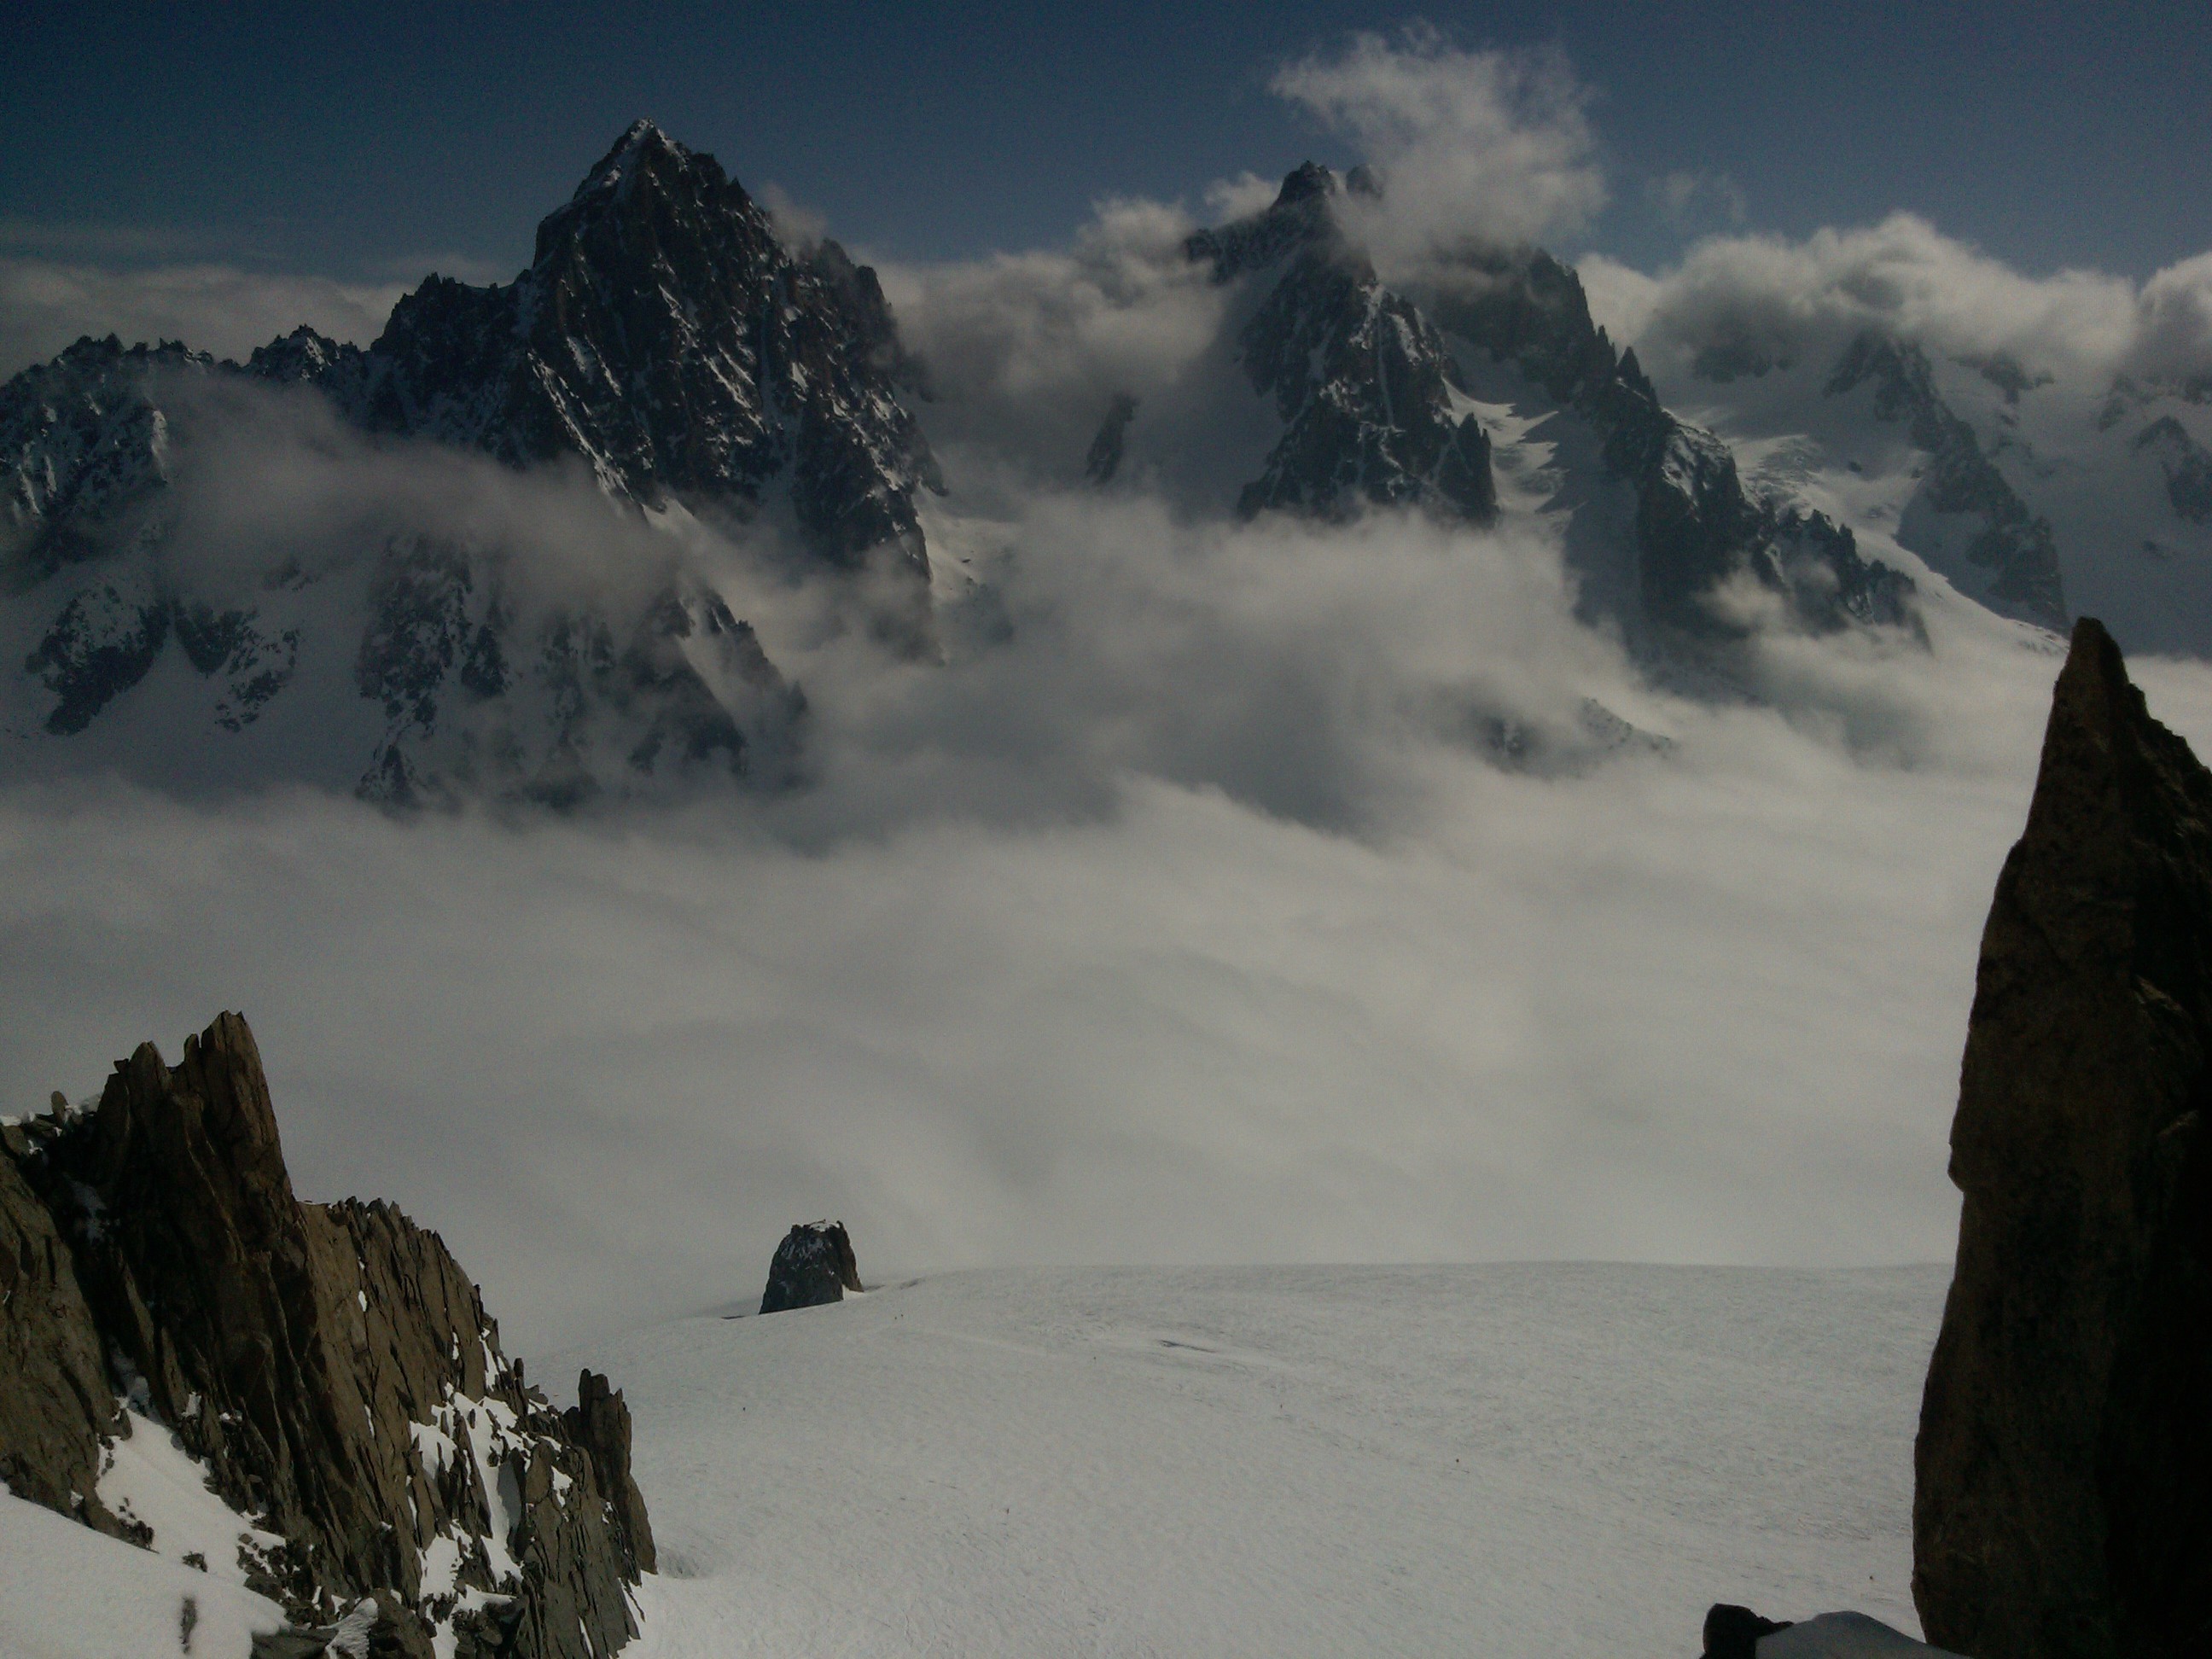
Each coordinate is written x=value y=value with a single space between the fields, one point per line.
x=1904 y=276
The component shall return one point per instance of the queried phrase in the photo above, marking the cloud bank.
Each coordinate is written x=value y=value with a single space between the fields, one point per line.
x=1187 y=913
x=46 y=304
x=1230 y=892
x=1795 y=298
x=1487 y=146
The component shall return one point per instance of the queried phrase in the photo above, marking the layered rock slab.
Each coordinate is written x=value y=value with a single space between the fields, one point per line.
x=330 y=1367
x=2063 y=1507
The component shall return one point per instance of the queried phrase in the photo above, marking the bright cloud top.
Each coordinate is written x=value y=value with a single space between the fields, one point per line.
x=1905 y=277
x=1495 y=146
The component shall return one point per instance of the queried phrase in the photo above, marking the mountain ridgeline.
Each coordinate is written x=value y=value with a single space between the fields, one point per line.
x=671 y=344
x=1378 y=391
x=665 y=337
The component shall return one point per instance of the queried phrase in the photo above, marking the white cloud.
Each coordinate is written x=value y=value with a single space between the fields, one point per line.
x=44 y=305
x=1493 y=146
x=1810 y=297
x=1191 y=921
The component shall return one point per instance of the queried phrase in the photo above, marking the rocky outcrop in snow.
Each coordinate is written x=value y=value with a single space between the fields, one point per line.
x=329 y=1367
x=2063 y=1498
x=813 y=1265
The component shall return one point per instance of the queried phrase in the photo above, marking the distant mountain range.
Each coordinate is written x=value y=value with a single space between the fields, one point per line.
x=717 y=379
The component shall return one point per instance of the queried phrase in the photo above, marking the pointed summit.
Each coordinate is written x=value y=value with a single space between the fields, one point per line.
x=667 y=335
x=1305 y=181
x=642 y=145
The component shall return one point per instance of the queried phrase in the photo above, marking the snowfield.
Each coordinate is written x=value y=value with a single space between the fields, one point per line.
x=1555 y=1459
x=1542 y=1459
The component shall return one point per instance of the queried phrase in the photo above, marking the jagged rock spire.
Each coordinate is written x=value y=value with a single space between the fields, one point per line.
x=2063 y=1503
x=331 y=1367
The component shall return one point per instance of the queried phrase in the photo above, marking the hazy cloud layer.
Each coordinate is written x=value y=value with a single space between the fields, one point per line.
x=1190 y=919
x=1804 y=298
x=1185 y=912
x=45 y=304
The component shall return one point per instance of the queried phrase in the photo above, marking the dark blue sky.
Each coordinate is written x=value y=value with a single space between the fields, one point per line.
x=357 y=141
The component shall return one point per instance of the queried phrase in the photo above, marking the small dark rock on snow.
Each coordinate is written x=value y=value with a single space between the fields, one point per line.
x=813 y=1265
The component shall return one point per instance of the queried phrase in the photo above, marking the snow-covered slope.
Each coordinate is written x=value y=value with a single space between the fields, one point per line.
x=2040 y=496
x=1569 y=1460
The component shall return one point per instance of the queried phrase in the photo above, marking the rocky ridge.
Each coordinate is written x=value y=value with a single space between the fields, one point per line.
x=666 y=335
x=1373 y=386
x=1360 y=378
x=2064 y=1457
x=328 y=1367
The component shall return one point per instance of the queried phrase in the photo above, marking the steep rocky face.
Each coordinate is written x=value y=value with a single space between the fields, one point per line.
x=488 y=683
x=2063 y=1503
x=1368 y=382
x=85 y=448
x=1362 y=381
x=667 y=336
x=2012 y=543
x=1696 y=526
x=1103 y=460
x=599 y=1423
x=555 y=705
x=330 y=1367
x=814 y=1264
x=56 y=1405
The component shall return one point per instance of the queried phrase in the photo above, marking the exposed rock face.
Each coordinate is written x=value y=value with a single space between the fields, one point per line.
x=56 y=1403
x=664 y=334
x=1360 y=378
x=2187 y=465
x=84 y=445
x=813 y=1265
x=599 y=1423
x=1103 y=460
x=331 y=1367
x=2063 y=1505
